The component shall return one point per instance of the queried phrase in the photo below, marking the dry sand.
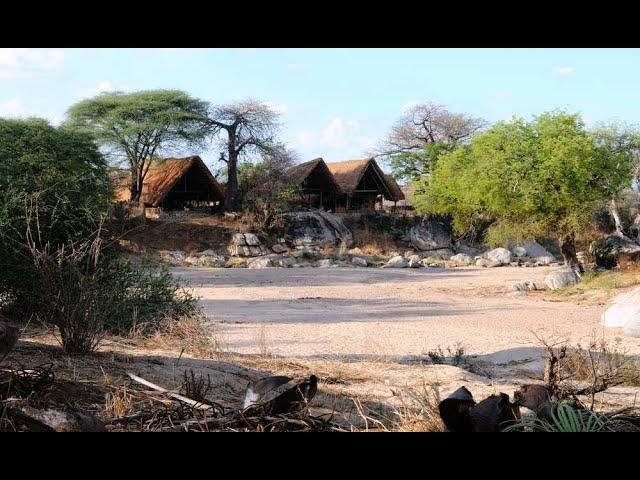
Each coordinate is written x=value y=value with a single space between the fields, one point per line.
x=376 y=313
x=380 y=323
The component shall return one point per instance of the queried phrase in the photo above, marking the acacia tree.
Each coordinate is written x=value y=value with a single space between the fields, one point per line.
x=247 y=127
x=139 y=127
x=423 y=133
x=546 y=177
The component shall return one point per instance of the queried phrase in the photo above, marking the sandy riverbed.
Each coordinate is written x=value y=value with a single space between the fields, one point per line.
x=311 y=313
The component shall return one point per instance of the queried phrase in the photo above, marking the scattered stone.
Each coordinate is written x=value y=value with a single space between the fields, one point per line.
x=526 y=286
x=623 y=311
x=277 y=248
x=440 y=254
x=208 y=253
x=562 y=277
x=212 y=261
x=287 y=262
x=409 y=253
x=415 y=261
x=325 y=263
x=546 y=260
x=501 y=256
x=531 y=248
x=359 y=262
x=260 y=262
x=519 y=252
x=355 y=251
x=461 y=259
x=485 y=263
x=174 y=257
x=396 y=262
x=236 y=262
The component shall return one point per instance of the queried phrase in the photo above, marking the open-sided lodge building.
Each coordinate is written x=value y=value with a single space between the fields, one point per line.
x=318 y=187
x=363 y=185
x=175 y=184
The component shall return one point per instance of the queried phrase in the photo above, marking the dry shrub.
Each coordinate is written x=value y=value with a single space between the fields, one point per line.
x=189 y=334
x=372 y=241
x=118 y=403
x=418 y=411
x=601 y=364
x=196 y=387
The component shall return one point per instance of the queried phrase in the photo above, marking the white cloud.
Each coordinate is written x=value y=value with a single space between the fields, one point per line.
x=12 y=108
x=563 y=71
x=104 y=86
x=305 y=139
x=16 y=59
x=334 y=134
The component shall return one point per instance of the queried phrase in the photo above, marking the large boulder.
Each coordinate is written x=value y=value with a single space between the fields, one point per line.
x=433 y=233
x=316 y=228
x=500 y=256
x=609 y=250
x=397 y=262
x=562 y=277
x=624 y=311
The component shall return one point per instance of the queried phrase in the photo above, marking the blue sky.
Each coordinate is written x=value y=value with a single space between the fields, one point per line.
x=335 y=103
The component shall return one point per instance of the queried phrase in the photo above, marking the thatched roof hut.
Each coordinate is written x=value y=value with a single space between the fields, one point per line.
x=362 y=182
x=317 y=184
x=174 y=183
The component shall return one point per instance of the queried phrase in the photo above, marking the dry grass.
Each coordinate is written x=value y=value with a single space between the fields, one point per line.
x=190 y=335
x=418 y=410
x=118 y=403
x=372 y=241
x=600 y=287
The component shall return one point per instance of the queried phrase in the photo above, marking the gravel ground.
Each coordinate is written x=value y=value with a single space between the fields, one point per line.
x=386 y=314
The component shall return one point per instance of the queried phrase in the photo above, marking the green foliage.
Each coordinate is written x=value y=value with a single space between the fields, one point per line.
x=417 y=165
x=139 y=127
x=546 y=177
x=145 y=298
x=265 y=183
x=53 y=184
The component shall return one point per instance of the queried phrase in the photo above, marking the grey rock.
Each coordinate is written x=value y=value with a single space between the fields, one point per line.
x=325 y=263
x=277 y=248
x=501 y=256
x=562 y=277
x=415 y=261
x=316 y=228
x=396 y=262
x=431 y=234
x=359 y=262
x=461 y=259
x=260 y=262
x=524 y=286
x=624 y=311
x=485 y=263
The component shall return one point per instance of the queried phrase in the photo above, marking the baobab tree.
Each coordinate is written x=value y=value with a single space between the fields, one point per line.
x=421 y=134
x=242 y=128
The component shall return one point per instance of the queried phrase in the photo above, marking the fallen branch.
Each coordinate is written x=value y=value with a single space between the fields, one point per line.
x=176 y=396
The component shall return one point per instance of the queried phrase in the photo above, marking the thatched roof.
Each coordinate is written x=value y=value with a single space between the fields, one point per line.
x=318 y=168
x=349 y=173
x=398 y=194
x=162 y=177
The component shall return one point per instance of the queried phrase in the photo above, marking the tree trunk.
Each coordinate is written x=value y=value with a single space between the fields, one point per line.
x=568 y=250
x=613 y=209
x=234 y=200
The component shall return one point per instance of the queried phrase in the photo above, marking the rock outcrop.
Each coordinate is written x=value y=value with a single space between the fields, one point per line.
x=316 y=228
x=433 y=233
x=609 y=250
